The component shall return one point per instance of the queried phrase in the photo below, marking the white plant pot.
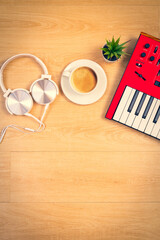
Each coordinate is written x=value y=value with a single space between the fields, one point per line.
x=106 y=60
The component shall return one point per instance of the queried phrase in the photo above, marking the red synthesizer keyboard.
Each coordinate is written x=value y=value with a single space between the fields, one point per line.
x=136 y=102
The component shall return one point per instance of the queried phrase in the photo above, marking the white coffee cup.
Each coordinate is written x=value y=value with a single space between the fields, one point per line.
x=69 y=75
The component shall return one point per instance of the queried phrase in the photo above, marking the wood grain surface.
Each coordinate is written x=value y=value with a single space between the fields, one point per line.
x=84 y=177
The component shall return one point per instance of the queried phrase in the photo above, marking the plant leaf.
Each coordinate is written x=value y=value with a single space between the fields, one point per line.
x=114 y=48
x=120 y=52
x=122 y=44
x=113 y=40
x=104 y=49
x=107 y=42
x=116 y=55
x=117 y=41
x=119 y=47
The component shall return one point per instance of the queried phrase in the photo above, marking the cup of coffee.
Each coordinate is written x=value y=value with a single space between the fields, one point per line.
x=83 y=80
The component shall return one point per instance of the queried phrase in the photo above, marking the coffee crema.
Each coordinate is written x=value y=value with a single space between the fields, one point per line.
x=83 y=79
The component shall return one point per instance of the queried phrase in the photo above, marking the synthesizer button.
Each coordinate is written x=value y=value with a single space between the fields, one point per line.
x=145 y=120
x=151 y=124
x=138 y=65
x=158 y=62
x=155 y=50
x=138 y=118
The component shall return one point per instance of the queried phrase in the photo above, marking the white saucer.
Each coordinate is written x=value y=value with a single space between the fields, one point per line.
x=95 y=94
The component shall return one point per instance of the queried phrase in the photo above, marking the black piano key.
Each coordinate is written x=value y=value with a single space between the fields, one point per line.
x=140 y=104
x=133 y=101
x=157 y=115
x=148 y=107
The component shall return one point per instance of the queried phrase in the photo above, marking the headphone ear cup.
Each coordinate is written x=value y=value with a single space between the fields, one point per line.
x=44 y=91
x=19 y=102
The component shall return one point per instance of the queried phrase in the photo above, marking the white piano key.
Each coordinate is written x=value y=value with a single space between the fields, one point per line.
x=158 y=136
x=156 y=128
x=132 y=115
x=125 y=113
x=122 y=103
x=151 y=124
x=138 y=118
x=144 y=121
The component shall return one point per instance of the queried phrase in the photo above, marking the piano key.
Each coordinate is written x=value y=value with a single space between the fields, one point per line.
x=138 y=118
x=145 y=120
x=157 y=115
x=132 y=115
x=151 y=124
x=125 y=113
x=122 y=103
x=158 y=136
x=140 y=104
x=148 y=107
x=133 y=101
x=156 y=128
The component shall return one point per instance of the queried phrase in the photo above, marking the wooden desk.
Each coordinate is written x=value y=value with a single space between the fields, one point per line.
x=84 y=177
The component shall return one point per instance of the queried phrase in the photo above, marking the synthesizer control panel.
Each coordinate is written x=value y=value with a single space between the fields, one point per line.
x=136 y=102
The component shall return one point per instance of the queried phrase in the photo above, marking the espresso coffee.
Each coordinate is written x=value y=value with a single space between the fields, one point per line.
x=83 y=79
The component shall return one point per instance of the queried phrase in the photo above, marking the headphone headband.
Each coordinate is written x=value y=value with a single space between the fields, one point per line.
x=17 y=56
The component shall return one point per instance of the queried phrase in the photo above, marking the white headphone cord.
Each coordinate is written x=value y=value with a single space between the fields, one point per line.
x=24 y=129
x=20 y=129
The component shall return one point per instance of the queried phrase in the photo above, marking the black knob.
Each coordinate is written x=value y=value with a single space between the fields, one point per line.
x=143 y=54
x=151 y=58
x=147 y=45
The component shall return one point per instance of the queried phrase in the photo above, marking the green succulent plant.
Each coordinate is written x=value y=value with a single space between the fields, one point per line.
x=113 y=49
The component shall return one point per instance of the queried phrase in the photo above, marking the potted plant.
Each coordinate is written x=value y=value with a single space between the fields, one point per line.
x=112 y=50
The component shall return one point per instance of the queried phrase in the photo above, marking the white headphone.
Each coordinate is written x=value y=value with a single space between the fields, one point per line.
x=20 y=101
